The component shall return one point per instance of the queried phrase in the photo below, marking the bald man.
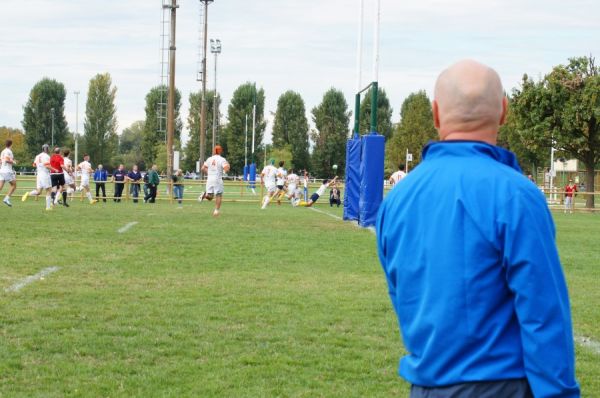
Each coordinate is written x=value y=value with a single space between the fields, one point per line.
x=467 y=246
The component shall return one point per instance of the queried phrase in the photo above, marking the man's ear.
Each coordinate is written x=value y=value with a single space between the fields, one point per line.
x=504 y=110
x=436 y=114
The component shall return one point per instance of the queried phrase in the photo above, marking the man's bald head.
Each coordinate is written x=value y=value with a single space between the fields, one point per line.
x=469 y=102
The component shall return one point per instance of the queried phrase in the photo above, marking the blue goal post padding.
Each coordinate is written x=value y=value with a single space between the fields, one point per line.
x=371 y=178
x=252 y=175
x=352 y=186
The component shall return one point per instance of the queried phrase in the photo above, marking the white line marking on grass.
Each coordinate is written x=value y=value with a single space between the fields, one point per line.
x=588 y=343
x=126 y=227
x=32 y=278
x=372 y=229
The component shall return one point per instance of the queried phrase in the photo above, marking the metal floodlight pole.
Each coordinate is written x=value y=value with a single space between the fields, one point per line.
x=375 y=86
x=76 y=127
x=215 y=48
x=359 y=45
x=52 y=117
x=203 y=100
x=171 y=97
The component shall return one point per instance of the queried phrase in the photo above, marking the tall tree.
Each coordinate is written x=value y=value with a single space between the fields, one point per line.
x=413 y=132
x=192 y=148
x=233 y=138
x=155 y=124
x=331 y=119
x=130 y=143
x=290 y=128
x=18 y=147
x=47 y=94
x=564 y=107
x=384 y=114
x=100 y=126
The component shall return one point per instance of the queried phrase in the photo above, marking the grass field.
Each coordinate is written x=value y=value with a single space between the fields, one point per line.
x=287 y=302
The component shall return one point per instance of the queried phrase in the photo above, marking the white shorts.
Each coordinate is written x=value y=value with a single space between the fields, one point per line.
x=214 y=187
x=271 y=188
x=85 y=180
x=69 y=179
x=7 y=176
x=43 y=181
x=291 y=189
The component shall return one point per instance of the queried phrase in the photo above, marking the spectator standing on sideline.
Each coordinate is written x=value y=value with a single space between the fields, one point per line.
x=178 y=185
x=7 y=174
x=134 y=177
x=100 y=177
x=470 y=259
x=118 y=178
x=153 y=181
x=570 y=191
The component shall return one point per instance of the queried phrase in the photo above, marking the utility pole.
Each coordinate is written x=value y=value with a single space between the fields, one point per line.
x=76 y=127
x=215 y=48
x=171 y=98
x=203 y=101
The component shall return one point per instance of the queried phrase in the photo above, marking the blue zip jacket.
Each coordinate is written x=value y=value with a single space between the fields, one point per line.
x=467 y=244
x=100 y=175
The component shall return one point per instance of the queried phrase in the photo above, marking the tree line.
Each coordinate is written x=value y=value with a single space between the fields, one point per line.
x=561 y=109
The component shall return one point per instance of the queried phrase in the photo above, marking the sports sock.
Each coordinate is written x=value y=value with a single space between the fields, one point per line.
x=34 y=193
x=64 y=196
x=48 y=201
x=89 y=196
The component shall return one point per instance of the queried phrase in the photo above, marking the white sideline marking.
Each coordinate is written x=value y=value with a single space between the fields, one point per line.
x=126 y=227
x=372 y=229
x=586 y=342
x=32 y=278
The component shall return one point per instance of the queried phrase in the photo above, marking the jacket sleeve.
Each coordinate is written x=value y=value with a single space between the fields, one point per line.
x=541 y=301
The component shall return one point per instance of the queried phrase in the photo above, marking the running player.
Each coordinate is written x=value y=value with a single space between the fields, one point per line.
x=267 y=177
x=281 y=177
x=315 y=196
x=42 y=165
x=85 y=168
x=397 y=175
x=7 y=174
x=69 y=173
x=214 y=167
x=292 y=184
x=57 y=176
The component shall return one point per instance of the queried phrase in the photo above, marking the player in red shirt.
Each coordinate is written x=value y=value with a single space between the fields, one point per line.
x=57 y=176
x=570 y=191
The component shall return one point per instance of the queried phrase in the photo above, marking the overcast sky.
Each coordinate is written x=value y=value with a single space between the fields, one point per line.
x=281 y=45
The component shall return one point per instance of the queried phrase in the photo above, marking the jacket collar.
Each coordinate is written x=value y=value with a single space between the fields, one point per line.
x=469 y=148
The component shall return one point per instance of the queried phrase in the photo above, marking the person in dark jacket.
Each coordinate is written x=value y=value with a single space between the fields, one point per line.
x=335 y=196
x=177 y=179
x=468 y=248
x=118 y=178
x=153 y=181
x=134 y=177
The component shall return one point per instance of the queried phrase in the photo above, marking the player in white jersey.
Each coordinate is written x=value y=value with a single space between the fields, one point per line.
x=214 y=167
x=268 y=177
x=42 y=165
x=85 y=168
x=320 y=192
x=280 y=181
x=292 y=184
x=7 y=174
x=69 y=173
x=397 y=175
